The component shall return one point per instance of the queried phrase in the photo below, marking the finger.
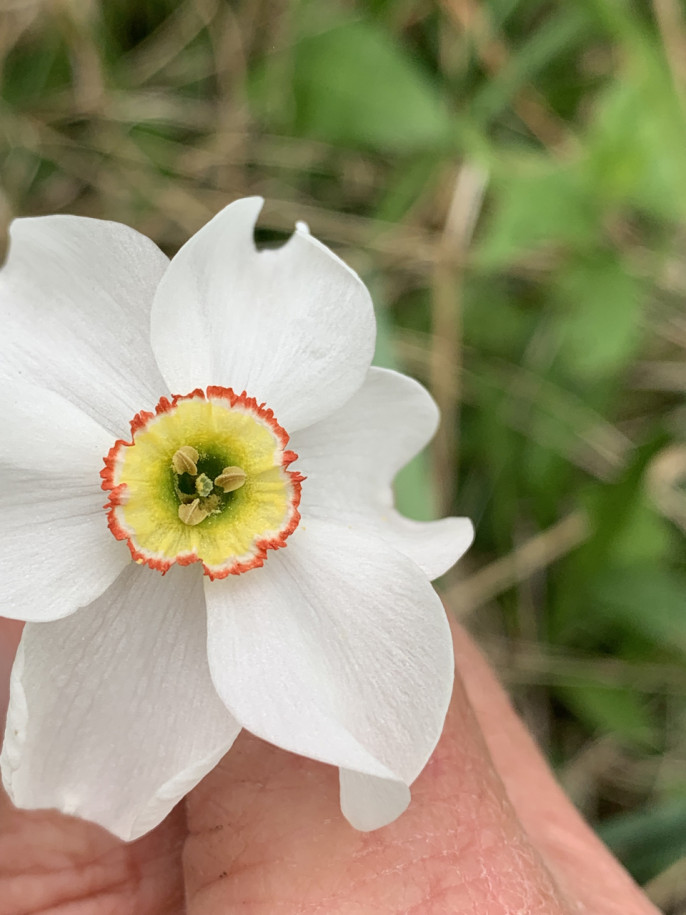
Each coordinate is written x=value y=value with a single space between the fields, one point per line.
x=266 y=834
x=10 y=633
x=50 y=861
x=582 y=866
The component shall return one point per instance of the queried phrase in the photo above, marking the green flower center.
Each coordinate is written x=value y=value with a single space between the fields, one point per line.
x=202 y=485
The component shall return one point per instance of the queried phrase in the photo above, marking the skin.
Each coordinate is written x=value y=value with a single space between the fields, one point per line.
x=489 y=832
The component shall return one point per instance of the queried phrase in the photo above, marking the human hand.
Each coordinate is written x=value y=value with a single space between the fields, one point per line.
x=488 y=832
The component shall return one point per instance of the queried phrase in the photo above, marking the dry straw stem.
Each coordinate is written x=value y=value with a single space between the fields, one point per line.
x=524 y=561
x=660 y=375
x=169 y=40
x=582 y=776
x=524 y=661
x=445 y=355
x=668 y=889
x=670 y=21
x=665 y=480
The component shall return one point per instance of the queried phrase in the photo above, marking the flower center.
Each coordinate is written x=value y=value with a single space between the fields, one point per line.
x=203 y=479
x=198 y=494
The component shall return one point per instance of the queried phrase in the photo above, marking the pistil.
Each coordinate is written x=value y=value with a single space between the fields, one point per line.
x=203 y=485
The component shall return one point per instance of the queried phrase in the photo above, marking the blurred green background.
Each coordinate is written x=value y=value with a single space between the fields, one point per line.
x=509 y=177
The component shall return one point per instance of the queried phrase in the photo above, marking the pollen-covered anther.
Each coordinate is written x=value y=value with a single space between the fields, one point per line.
x=231 y=479
x=205 y=479
x=185 y=460
x=193 y=513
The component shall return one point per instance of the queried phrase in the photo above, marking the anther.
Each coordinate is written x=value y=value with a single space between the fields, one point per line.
x=192 y=514
x=231 y=478
x=185 y=460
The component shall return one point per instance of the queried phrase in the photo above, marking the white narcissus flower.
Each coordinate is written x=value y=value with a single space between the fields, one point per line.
x=244 y=436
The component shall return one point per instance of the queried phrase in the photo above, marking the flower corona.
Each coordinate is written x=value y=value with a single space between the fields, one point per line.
x=203 y=479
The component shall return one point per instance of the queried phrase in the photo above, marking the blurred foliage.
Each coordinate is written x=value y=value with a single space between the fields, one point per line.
x=510 y=179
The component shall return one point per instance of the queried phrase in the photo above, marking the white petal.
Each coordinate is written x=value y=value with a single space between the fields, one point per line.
x=75 y=298
x=362 y=446
x=293 y=327
x=351 y=457
x=435 y=546
x=112 y=715
x=368 y=802
x=337 y=649
x=56 y=552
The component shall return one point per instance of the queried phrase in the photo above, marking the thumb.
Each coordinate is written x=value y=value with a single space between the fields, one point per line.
x=266 y=834
x=582 y=866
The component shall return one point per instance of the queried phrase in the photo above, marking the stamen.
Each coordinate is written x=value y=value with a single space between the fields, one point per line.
x=231 y=478
x=193 y=514
x=203 y=485
x=185 y=460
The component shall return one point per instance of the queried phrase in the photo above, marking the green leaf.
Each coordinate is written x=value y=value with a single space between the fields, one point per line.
x=611 y=508
x=559 y=32
x=645 y=536
x=600 y=323
x=611 y=709
x=647 y=599
x=647 y=841
x=355 y=85
x=35 y=68
x=636 y=143
x=537 y=202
